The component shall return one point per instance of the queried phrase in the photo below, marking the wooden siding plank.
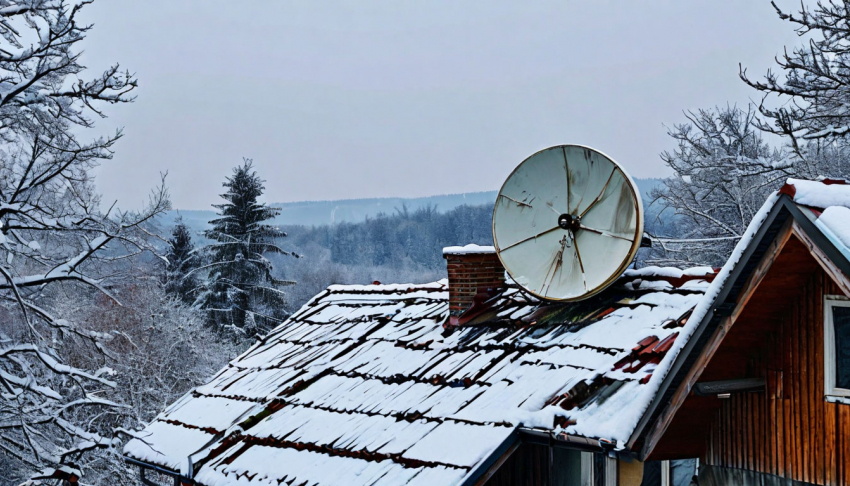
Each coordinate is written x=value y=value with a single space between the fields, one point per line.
x=726 y=434
x=788 y=387
x=740 y=425
x=830 y=457
x=805 y=380
x=795 y=398
x=776 y=405
x=844 y=442
x=758 y=425
x=749 y=422
x=815 y=302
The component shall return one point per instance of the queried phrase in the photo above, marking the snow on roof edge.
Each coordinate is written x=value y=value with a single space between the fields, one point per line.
x=834 y=223
x=820 y=194
x=670 y=272
x=468 y=249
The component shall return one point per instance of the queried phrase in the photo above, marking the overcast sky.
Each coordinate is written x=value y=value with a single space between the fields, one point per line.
x=356 y=99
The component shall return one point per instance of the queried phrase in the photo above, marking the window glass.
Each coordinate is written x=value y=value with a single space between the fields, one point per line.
x=841 y=325
x=566 y=467
x=599 y=469
x=682 y=472
x=651 y=473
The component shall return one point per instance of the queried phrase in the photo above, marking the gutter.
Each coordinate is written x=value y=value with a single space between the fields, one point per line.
x=529 y=435
x=483 y=471
x=178 y=479
x=547 y=437
x=576 y=442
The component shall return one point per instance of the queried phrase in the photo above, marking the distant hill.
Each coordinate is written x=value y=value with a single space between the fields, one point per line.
x=314 y=213
x=317 y=213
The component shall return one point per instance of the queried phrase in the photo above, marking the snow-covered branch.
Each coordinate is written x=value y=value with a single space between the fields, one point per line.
x=723 y=171
x=57 y=242
x=807 y=100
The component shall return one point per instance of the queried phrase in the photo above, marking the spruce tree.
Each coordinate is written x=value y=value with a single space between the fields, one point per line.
x=180 y=280
x=240 y=292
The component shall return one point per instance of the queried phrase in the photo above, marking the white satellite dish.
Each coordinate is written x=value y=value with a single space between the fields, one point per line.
x=568 y=222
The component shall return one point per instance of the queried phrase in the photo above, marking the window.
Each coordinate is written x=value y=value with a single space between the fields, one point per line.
x=683 y=472
x=678 y=472
x=573 y=467
x=837 y=346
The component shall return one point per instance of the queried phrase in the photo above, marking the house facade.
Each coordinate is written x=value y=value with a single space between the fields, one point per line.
x=736 y=376
x=764 y=396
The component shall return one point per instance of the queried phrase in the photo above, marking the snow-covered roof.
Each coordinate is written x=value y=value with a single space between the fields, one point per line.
x=365 y=385
x=819 y=194
x=828 y=204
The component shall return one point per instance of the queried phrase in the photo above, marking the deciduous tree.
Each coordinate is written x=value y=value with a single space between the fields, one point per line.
x=55 y=237
x=723 y=171
x=807 y=101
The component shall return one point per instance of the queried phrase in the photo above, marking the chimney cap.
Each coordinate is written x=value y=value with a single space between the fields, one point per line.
x=468 y=250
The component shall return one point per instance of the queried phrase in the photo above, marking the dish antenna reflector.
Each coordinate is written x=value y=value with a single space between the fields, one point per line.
x=568 y=222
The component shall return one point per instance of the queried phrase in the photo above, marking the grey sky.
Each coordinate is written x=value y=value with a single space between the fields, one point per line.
x=361 y=99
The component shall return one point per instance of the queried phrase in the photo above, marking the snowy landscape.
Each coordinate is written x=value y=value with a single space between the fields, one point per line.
x=209 y=335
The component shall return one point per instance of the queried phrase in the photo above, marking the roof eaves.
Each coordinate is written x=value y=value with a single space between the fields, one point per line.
x=779 y=213
x=575 y=442
x=156 y=468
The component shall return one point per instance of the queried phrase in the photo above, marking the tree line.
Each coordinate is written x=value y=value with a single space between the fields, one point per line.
x=402 y=239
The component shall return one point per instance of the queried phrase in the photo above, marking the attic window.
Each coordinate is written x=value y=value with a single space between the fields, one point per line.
x=837 y=344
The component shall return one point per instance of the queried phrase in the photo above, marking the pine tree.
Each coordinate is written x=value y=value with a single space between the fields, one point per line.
x=241 y=293
x=180 y=280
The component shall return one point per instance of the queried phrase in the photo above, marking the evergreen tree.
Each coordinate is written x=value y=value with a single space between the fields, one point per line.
x=240 y=292
x=180 y=281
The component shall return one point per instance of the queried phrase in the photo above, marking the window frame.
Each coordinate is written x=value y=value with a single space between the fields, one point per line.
x=666 y=473
x=830 y=370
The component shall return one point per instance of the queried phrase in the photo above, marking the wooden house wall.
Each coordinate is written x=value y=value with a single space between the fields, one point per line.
x=789 y=430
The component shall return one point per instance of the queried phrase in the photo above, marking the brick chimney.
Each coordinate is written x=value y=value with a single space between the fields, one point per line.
x=475 y=274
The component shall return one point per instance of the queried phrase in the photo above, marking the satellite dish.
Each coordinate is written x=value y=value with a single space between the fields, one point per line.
x=568 y=222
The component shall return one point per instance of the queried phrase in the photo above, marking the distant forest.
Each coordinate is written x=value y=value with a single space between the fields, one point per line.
x=392 y=240
x=402 y=239
x=400 y=247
